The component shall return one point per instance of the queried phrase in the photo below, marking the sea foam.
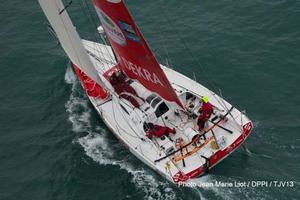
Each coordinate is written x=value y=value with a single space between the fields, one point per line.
x=98 y=148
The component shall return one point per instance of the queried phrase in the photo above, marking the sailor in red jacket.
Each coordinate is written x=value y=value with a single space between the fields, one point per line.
x=206 y=110
x=123 y=88
x=157 y=130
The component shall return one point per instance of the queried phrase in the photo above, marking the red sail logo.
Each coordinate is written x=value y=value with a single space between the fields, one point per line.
x=142 y=72
x=112 y=29
x=134 y=55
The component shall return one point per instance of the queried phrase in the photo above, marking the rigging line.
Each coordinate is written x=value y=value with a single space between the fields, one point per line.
x=85 y=7
x=184 y=69
x=118 y=125
x=137 y=136
x=112 y=56
x=88 y=14
x=205 y=131
x=190 y=53
x=133 y=110
x=224 y=104
x=116 y=96
x=100 y=60
x=170 y=24
x=174 y=30
x=127 y=121
x=222 y=101
x=69 y=35
x=80 y=64
x=52 y=32
x=162 y=44
x=193 y=57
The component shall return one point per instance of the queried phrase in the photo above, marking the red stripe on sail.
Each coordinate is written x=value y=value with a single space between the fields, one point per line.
x=132 y=51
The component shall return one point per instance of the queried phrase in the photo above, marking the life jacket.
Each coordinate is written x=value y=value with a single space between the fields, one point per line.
x=206 y=111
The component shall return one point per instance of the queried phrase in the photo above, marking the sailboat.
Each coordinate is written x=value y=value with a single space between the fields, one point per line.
x=134 y=95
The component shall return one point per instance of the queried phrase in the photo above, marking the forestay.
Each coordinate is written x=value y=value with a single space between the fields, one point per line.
x=132 y=51
x=68 y=37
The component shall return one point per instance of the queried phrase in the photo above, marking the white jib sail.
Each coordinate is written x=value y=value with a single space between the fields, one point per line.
x=68 y=37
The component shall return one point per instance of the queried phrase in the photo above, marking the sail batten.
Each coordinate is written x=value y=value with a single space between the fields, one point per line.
x=132 y=51
x=68 y=37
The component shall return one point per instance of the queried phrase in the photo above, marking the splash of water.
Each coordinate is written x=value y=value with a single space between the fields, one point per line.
x=97 y=147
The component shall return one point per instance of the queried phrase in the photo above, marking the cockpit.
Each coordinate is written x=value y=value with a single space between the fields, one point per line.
x=157 y=104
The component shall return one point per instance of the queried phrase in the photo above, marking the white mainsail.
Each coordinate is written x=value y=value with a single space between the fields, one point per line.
x=68 y=37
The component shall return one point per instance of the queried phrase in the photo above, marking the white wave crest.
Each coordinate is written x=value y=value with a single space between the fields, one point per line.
x=70 y=76
x=97 y=147
x=79 y=113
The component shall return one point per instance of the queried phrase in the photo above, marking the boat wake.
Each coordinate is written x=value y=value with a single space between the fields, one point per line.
x=98 y=147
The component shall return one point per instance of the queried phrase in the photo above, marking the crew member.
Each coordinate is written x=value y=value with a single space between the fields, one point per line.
x=157 y=130
x=205 y=112
x=124 y=89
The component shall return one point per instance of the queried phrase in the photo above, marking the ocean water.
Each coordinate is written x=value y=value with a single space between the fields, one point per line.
x=54 y=146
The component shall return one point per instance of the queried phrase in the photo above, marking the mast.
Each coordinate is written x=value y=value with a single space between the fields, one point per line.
x=133 y=54
x=68 y=37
